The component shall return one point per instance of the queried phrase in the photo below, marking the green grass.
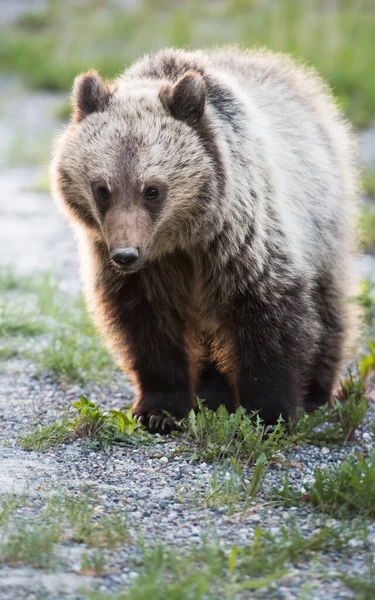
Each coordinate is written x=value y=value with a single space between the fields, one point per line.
x=219 y=435
x=45 y=438
x=30 y=544
x=103 y=428
x=50 y=47
x=343 y=491
x=65 y=340
x=78 y=520
x=369 y=182
x=363 y=587
x=63 y=518
x=367 y=227
x=346 y=489
x=209 y=572
x=231 y=487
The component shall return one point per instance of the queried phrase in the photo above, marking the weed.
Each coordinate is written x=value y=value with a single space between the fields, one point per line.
x=220 y=435
x=209 y=572
x=32 y=306
x=77 y=516
x=346 y=489
x=108 y=428
x=93 y=563
x=363 y=586
x=231 y=488
x=32 y=544
x=41 y=438
x=8 y=505
x=63 y=518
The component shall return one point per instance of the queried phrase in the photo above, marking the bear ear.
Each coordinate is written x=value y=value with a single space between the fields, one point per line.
x=186 y=99
x=90 y=94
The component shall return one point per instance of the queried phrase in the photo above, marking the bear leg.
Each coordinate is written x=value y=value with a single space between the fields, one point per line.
x=328 y=357
x=273 y=343
x=215 y=389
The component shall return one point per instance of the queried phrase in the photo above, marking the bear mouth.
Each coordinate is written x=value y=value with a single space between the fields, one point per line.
x=129 y=270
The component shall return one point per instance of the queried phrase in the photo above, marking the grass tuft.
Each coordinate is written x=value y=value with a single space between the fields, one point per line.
x=45 y=438
x=219 y=435
x=346 y=489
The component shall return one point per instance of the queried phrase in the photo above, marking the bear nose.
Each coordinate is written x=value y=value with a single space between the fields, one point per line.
x=124 y=257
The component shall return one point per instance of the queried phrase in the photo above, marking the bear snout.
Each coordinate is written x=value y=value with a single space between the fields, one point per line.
x=125 y=258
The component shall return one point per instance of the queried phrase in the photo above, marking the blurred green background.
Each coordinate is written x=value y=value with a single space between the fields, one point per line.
x=46 y=43
x=50 y=44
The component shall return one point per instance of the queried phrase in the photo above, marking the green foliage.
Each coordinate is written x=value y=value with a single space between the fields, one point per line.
x=108 y=428
x=93 y=563
x=103 y=428
x=366 y=299
x=230 y=487
x=368 y=183
x=40 y=439
x=63 y=518
x=346 y=489
x=67 y=343
x=362 y=586
x=8 y=505
x=207 y=572
x=48 y=48
x=367 y=227
x=78 y=520
x=220 y=435
x=30 y=543
x=342 y=491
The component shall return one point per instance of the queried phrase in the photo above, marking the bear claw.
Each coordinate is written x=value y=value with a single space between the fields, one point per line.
x=157 y=423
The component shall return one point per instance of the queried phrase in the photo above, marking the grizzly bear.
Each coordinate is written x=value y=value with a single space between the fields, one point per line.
x=213 y=197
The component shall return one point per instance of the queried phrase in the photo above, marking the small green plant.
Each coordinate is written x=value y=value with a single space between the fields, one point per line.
x=108 y=427
x=209 y=572
x=8 y=505
x=80 y=523
x=103 y=428
x=346 y=489
x=93 y=563
x=31 y=544
x=67 y=344
x=45 y=438
x=233 y=488
x=363 y=586
x=352 y=411
x=220 y=435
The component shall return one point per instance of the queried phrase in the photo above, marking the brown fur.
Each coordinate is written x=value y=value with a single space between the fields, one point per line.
x=241 y=288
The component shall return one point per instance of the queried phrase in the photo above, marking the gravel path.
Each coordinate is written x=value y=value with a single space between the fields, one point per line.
x=157 y=487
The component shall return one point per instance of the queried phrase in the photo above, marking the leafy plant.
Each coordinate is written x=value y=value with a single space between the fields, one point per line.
x=108 y=427
x=50 y=436
x=233 y=488
x=220 y=435
x=346 y=489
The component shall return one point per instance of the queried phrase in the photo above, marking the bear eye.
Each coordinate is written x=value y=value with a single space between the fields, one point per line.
x=151 y=193
x=102 y=192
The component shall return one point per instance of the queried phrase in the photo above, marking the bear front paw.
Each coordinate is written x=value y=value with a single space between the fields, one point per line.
x=156 y=421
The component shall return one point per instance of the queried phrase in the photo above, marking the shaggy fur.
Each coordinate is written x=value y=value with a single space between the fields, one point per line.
x=240 y=293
